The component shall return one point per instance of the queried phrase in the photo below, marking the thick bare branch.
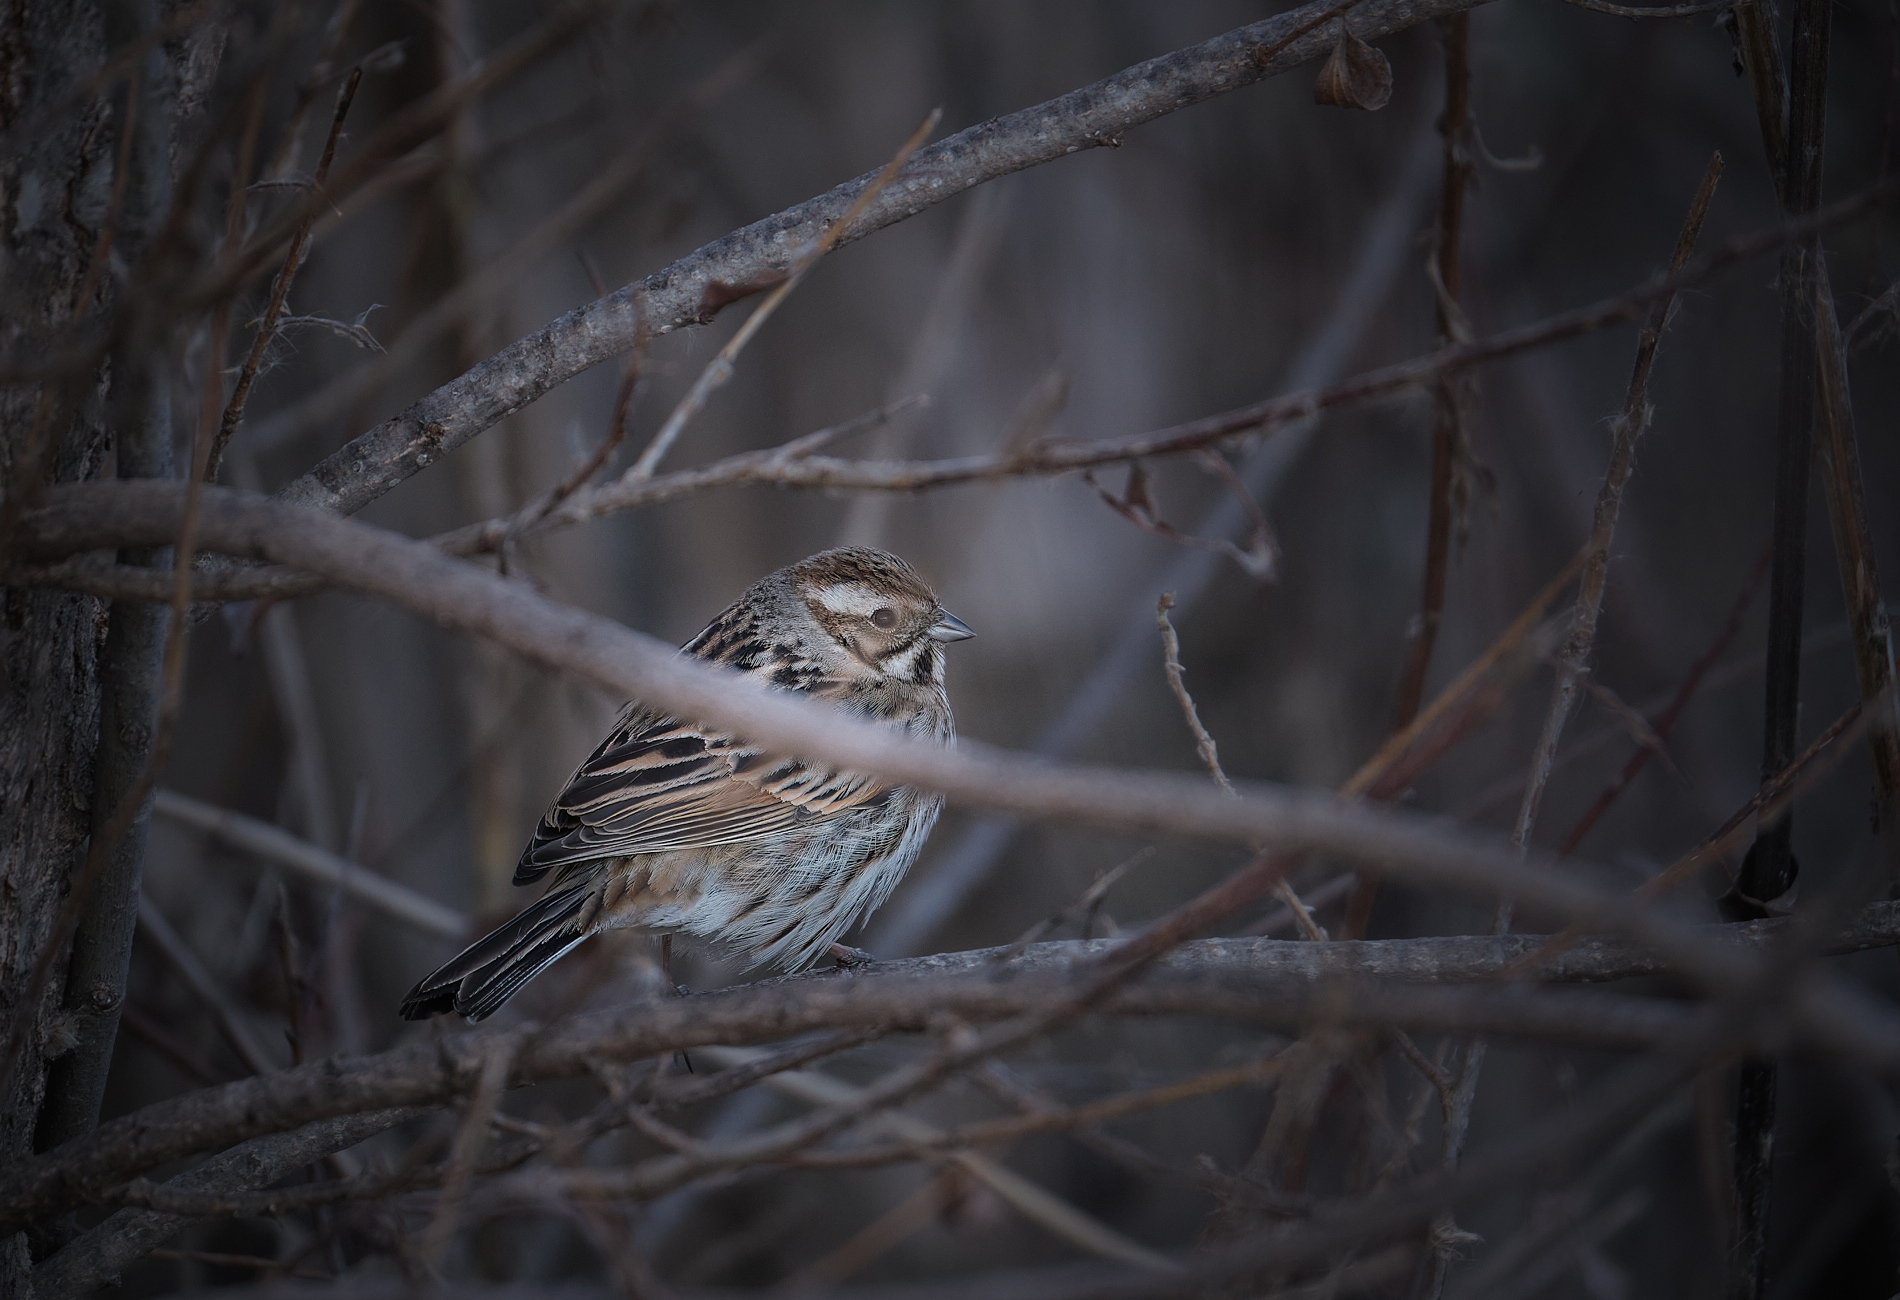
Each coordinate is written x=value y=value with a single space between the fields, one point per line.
x=1273 y=982
x=790 y=465
x=471 y=599
x=96 y=1258
x=692 y=290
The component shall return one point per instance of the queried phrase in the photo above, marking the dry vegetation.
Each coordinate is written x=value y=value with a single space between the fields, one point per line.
x=1405 y=906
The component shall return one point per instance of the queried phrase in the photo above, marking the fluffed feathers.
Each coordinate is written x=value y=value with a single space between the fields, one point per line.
x=670 y=826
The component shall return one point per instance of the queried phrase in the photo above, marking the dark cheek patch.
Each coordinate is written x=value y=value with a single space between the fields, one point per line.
x=924 y=671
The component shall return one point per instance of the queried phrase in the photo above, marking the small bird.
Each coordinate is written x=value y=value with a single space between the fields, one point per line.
x=673 y=827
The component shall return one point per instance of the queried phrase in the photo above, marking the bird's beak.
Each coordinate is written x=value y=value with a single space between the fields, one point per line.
x=950 y=628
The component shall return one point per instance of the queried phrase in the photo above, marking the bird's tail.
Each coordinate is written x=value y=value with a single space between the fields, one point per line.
x=491 y=970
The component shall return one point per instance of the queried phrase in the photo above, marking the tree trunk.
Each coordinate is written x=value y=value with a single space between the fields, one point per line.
x=57 y=181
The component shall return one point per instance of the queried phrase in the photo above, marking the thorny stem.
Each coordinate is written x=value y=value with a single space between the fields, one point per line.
x=1665 y=722
x=1446 y=271
x=1448 y=435
x=1574 y=655
x=1626 y=432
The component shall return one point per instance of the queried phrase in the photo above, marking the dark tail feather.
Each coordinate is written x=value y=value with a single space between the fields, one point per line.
x=490 y=971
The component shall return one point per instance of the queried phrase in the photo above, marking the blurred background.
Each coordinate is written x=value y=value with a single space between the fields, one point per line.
x=1219 y=256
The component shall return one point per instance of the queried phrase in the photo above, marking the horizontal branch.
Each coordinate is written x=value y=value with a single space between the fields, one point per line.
x=1455 y=959
x=1670 y=11
x=460 y=595
x=274 y=844
x=1067 y=455
x=692 y=290
x=1259 y=981
x=790 y=466
x=96 y=1257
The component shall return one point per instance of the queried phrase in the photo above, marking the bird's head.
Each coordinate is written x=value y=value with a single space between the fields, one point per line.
x=876 y=609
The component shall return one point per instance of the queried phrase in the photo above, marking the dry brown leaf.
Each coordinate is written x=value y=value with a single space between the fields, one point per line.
x=1355 y=76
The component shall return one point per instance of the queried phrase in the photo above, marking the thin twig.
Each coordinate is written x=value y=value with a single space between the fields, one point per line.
x=990 y=1132
x=1854 y=555
x=280 y=288
x=1090 y=899
x=1035 y=1203
x=1668 y=11
x=879 y=1236
x=149 y=1030
x=497 y=1061
x=535 y=511
x=1259 y=559
x=1665 y=722
x=673 y=1094
x=1774 y=794
x=1449 y=396
x=1171 y=663
x=276 y=845
x=719 y=370
x=154 y=926
x=1046 y=458
x=1210 y=754
x=1627 y=430
x=1507 y=644
x=1634 y=724
x=1887 y=302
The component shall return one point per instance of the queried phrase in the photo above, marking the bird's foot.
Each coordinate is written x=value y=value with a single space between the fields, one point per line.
x=666 y=969
x=849 y=958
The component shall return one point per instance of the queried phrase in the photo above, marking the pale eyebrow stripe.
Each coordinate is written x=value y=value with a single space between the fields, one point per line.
x=849 y=598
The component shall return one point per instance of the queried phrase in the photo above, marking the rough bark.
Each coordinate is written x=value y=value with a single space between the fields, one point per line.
x=692 y=290
x=139 y=410
x=58 y=185
x=96 y=1259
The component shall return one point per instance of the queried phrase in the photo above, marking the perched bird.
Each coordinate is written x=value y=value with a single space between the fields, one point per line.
x=673 y=827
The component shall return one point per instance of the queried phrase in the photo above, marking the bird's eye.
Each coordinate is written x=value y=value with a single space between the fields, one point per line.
x=884 y=619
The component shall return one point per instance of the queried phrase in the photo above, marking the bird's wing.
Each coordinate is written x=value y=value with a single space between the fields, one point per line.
x=656 y=785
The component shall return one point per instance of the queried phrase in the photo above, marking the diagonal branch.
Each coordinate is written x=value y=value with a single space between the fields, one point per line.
x=1854 y=553
x=465 y=597
x=280 y=288
x=1627 y=430
x=790 y=465
x=718 y=371
x=1273 y=982
x=692 y=290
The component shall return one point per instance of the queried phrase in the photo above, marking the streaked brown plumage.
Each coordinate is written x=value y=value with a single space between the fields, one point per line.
x=677 y=828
